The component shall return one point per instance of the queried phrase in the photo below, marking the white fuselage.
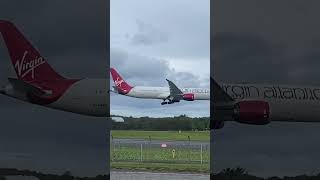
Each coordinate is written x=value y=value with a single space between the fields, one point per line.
x=287 y=103
x=164 y=92
x=86 y=96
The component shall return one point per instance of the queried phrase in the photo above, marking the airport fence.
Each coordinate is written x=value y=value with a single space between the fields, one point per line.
x=155 y=152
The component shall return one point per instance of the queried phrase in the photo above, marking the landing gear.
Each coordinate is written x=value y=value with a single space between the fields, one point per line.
x=165 y=102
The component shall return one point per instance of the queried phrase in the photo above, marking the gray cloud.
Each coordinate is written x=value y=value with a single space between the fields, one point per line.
x=143 y=70
x=147 y=34
x=177 y=29
x=69 y=34
x=239 y=52
x=267 y=42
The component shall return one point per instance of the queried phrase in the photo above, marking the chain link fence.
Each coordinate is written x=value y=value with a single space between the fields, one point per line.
x=155 y=152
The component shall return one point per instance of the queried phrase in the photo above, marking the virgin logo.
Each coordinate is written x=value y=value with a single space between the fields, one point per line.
x=23 y=66
x=118 y=82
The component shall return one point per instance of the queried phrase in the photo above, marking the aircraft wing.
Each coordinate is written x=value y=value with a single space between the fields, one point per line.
x=175 y=92
x=222 y=105
x=219 y=95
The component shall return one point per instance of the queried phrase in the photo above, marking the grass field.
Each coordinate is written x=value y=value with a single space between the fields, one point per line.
x=162 y=135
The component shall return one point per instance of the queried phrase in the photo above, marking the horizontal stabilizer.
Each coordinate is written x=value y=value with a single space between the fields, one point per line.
x=26 y=87
x=115 y=89
x=117 y=119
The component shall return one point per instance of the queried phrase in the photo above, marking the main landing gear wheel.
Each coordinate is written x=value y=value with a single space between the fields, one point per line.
x=164 y=102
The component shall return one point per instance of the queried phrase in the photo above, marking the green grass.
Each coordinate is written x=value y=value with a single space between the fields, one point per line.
x=161 y=167
x=162 y=135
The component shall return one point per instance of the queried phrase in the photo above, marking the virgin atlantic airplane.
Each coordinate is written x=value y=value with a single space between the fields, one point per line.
x=169 y=95
x=36 y=81
x=260 y=104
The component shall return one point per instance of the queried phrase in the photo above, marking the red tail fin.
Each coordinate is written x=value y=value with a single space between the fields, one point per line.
x=121 y=85
x=27 y=61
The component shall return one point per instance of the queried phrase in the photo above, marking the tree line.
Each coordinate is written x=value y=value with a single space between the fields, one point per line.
x=226 y=174
x=42 y=176
x=176 y=123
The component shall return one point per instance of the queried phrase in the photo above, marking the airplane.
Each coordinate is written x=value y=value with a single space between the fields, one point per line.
x=38 y=83
x=259 y=104
x=169 y=95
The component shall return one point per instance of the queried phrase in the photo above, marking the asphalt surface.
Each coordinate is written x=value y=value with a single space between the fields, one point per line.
x=126 y=175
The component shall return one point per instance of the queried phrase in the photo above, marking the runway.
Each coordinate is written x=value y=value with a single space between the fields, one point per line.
x=125 y=175
x=159 y=142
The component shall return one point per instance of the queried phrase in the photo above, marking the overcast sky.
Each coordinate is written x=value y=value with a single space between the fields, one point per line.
x=275 y=42
x=154 y=40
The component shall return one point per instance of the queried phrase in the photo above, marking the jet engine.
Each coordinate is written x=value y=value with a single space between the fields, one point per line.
x=252 y=112
x=188 y=97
